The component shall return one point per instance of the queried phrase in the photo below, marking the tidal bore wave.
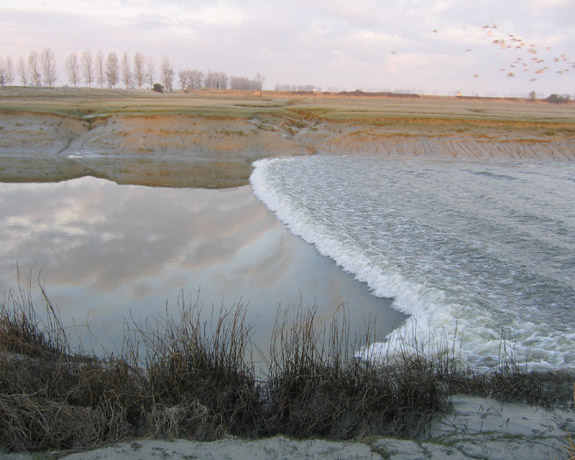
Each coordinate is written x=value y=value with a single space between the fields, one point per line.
x=481 y=249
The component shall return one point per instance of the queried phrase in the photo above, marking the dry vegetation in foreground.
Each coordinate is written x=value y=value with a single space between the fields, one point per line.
x=182 y=377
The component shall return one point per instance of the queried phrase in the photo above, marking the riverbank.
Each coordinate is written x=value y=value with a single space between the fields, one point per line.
x=540 y=437
x=210 y=139
x=196 y=383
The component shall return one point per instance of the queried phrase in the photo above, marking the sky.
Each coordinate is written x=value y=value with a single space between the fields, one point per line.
x=484 y=47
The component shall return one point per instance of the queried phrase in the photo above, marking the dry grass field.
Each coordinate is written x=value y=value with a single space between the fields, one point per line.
x=244 y=104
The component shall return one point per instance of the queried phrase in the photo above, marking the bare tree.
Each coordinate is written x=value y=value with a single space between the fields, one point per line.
x=100 y=70
x=73 y=69
x=260 y=78
x=48 y=61
x=216 y=80
x=222 y=80
x=126 y=71
x=184 y=78
x=112 y=69
x=196 y=79
x=139 y=69
x=150 y=70
x=88 y=67
x=210 y=80
x=167 y=74
x=2 y=72
x=34 y=68
x=22 y=71
x=9 y=70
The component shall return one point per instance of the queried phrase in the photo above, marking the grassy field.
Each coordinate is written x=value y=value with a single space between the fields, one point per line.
x=83 y=102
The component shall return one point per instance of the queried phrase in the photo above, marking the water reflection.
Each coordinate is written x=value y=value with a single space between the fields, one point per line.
x=107 y=252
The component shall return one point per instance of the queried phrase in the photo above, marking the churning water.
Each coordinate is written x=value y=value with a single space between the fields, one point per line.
x=483 y=248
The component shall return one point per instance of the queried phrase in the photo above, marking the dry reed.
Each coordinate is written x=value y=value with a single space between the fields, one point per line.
x=191 y=374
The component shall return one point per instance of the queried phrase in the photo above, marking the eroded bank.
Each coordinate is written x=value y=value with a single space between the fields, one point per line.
x=202 y=151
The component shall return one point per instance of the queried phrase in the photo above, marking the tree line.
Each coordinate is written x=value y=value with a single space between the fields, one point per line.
x=110 y=70
x=38 y=69
x=295 y=88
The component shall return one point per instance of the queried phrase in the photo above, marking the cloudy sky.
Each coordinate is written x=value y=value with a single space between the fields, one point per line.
x=484 y=47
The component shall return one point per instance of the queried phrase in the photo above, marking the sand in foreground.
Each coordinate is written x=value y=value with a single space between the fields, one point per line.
x=478 y=428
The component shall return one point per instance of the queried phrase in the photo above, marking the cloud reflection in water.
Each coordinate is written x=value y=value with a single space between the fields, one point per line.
x=106 y=252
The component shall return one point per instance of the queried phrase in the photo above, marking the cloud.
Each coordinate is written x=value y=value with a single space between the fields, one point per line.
x=327 y=43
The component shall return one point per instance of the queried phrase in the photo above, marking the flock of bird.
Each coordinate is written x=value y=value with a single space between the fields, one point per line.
x=527 y=56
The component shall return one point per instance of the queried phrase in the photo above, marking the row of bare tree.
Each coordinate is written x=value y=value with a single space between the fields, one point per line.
x=292 y=88
x=87 y=68
x=99 y=69
x=37 y=69
x=242 y=83
x=110 y=70
x=196 y=79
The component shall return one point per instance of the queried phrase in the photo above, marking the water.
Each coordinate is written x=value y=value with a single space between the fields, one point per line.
x=481 y=249
x=109 y=253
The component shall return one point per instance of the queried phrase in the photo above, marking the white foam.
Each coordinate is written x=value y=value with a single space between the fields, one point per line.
x=409 y=298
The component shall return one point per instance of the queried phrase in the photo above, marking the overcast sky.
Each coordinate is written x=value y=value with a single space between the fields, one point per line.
x=432 y=46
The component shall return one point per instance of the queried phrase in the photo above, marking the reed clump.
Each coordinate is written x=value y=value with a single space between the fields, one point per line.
x=51 y=397
x=316 y=388
x=198 y=380
x=191 y=374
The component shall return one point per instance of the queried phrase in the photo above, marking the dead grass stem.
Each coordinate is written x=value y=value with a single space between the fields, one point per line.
x=191 y=374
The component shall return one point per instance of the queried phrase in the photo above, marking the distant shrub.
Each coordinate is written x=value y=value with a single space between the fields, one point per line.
x=558 y=99
x=158 y=88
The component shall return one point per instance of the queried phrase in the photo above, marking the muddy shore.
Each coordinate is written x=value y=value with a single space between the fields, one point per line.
x=217 y=151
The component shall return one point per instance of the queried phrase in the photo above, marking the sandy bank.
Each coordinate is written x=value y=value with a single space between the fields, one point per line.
x=218 y=152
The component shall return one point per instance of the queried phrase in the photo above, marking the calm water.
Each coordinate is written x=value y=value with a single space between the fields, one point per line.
x=484 y=248
x=108 y=252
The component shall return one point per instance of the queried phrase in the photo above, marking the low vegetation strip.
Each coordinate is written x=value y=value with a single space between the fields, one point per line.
x=181 y=376
x=353 y=106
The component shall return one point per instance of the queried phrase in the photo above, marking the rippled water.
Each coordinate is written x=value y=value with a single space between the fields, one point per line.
x=486 y=248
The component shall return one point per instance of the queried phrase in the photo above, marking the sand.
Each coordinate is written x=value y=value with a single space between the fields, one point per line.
x=478 y=428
